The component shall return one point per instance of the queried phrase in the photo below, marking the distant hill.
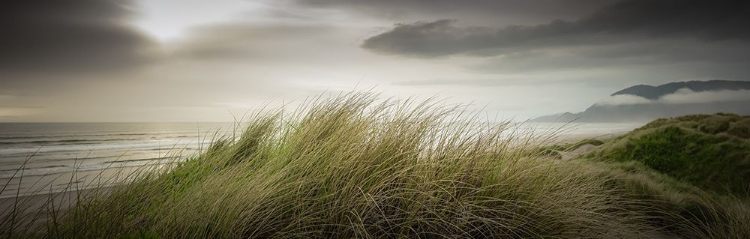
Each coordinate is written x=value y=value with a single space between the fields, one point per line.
x=642 y=103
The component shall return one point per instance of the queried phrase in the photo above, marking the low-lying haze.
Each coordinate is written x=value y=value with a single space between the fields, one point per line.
x=682 y=96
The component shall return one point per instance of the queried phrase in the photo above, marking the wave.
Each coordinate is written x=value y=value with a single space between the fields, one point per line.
x=78 y=140
x=98 y=166
x=125 y=145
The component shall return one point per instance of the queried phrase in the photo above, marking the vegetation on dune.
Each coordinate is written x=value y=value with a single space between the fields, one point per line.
x=709 y=151
x=351 y=167
x=554 y=150
x=717 y=216
x=717 y=124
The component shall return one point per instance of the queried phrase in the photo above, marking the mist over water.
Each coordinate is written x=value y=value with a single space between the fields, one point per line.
x=576 y=130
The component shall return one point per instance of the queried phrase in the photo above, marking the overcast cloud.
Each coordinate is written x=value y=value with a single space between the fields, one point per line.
x=186 y=60
x=71 y=36
x=625 y=21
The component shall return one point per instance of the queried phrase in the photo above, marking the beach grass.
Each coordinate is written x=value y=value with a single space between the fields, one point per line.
x=358 y=166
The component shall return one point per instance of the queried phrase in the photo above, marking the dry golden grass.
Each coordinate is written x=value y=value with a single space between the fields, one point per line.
x=356 y=167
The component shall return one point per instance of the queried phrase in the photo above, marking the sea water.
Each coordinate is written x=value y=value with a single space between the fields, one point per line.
x=50 y=153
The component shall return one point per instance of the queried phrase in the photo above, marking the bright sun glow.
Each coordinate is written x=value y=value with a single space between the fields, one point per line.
x=169 y=19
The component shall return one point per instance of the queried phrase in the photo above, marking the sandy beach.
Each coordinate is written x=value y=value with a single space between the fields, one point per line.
x=34 y=211
x=40 y=195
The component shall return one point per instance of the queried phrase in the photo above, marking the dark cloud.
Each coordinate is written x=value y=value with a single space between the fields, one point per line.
x=442 y=38
x=625 y=21
x=43 y=39
x=510 y=11
x=708 y=20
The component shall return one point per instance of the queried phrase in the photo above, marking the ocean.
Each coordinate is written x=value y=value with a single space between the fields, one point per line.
x=40 y=158
x=52 y=155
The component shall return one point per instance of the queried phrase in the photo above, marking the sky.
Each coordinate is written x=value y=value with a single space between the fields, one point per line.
x=195 y=61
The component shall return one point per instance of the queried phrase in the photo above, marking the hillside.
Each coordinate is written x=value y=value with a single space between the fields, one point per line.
x=711 y=152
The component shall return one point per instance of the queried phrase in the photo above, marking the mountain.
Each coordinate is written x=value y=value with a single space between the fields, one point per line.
x=641 y=103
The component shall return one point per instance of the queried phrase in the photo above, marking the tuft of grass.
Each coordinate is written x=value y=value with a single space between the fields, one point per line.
x=583 y=142
x=356 y=166
x=553 y=151
x=679 y=207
